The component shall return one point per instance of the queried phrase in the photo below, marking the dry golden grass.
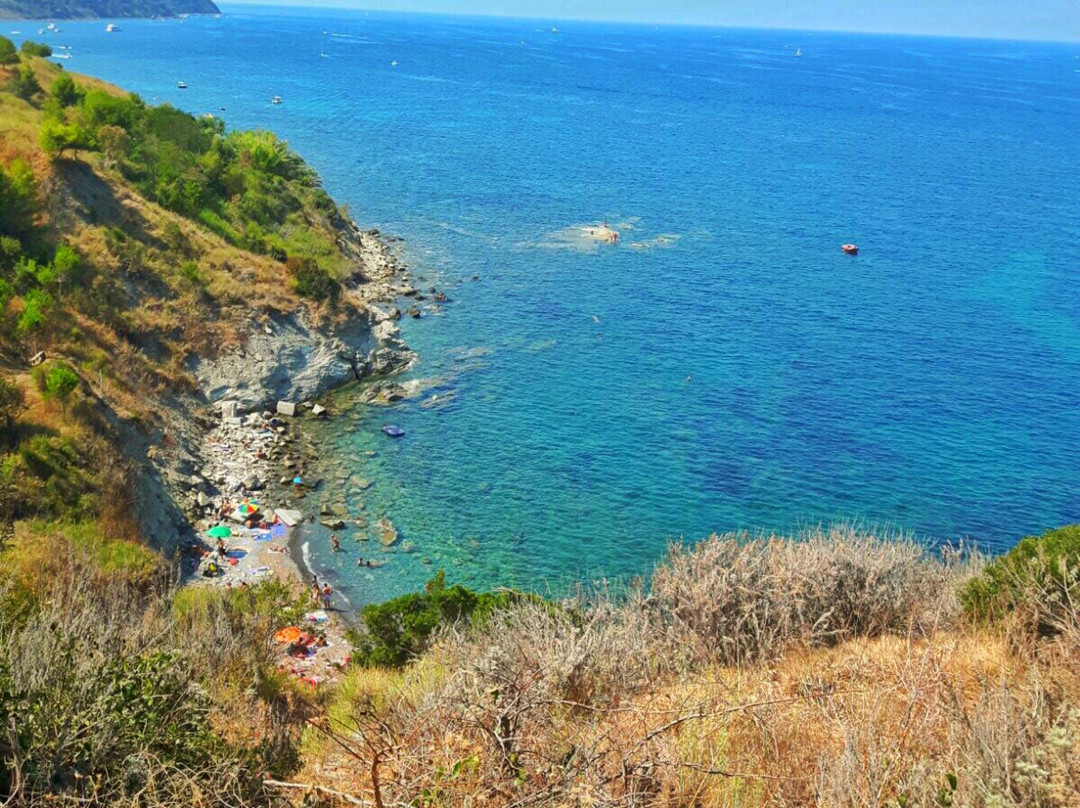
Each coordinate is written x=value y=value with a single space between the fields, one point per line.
x=541 y=709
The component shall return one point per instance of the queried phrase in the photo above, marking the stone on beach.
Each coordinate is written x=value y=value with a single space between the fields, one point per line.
x=291 y=518
x=286 y=408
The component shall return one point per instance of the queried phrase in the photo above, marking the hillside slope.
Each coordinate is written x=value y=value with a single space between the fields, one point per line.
x=163 y=265
x=97 y=9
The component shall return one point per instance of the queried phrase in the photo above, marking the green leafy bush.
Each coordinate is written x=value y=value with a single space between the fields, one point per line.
x=58 y=136
x=312 y=281
x=18 y=206
x=399 y=630
x=66 y=92
x=1041 y=571
x=37 y=305
x=11 y=404
x=8 y=54
x=57 y=381
x=24 y=83
x=31 y=48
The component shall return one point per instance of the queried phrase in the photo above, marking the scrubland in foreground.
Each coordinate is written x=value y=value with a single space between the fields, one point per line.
x=836 y=668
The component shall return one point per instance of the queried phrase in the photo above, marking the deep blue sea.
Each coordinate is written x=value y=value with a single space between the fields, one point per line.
x=724 y=365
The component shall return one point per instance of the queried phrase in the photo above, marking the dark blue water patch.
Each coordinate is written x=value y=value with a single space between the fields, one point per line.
x=928 y=383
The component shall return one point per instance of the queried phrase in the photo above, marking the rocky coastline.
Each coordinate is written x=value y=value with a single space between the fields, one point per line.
x=236 y=436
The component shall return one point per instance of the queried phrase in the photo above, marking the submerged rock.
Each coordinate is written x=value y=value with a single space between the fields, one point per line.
x=388 y=535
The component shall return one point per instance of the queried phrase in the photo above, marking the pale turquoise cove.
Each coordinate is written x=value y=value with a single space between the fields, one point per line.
x=724 y=365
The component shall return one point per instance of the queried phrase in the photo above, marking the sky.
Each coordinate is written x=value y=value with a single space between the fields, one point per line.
x=1011 y=19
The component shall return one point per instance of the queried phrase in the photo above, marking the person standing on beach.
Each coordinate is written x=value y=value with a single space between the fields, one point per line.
x=326 y=592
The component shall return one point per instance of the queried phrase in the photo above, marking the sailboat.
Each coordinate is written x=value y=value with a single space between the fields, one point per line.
x=798 y=51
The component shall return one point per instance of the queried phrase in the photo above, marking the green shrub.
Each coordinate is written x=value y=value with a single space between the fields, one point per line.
x=57 y=136
x=399 y=630
x=37 y=304
x=24 y=83
x=57 y=381
x=1041 y=571
x=312 y=281
x=11 y=404
x=18 y=194
x=31 y=48
x=55 y=478
x=8 y=54
x=66 y=91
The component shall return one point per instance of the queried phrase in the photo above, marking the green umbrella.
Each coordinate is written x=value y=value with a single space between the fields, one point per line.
x=219 y=532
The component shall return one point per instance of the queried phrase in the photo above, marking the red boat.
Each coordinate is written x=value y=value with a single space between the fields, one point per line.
x=851 y=249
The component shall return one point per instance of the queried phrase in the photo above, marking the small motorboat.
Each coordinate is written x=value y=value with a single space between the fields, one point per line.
x=851 y=249
x=393 y=430
x=112 y=28
x=181 y=85
x=276 y=99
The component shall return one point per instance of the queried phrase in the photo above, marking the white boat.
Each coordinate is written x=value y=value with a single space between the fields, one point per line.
x=394 y=63
x=798 y=51
x=111 y=27
x=181 y=85
x=276 y=99
x=61 y=55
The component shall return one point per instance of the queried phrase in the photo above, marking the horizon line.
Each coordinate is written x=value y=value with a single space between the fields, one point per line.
x=336 y=6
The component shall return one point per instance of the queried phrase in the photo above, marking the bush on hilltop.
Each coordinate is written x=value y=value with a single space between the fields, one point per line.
x=8 y=54
x=401 y=629
x=30 y=48
x=1040 y=572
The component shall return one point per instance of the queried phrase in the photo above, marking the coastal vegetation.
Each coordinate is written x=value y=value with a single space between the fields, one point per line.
x=92 y=9
x=840 y=668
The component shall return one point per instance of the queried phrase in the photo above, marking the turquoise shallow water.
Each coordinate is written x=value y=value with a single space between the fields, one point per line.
x=739 y=372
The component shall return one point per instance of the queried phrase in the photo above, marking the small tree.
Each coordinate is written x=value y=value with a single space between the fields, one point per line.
x=58 y=382
x=36 y=49
x=114 y=142
x=66 y=91
x=36 y=307
x=11 y=404
x=57 y=137
x=24 y=84
x=311 y=280
x=8 y=54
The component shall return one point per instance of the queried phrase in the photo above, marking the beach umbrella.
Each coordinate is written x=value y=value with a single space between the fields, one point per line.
x=247 y=509
x=219 y=532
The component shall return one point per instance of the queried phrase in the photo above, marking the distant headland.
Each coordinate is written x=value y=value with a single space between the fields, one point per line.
x=91 y=9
